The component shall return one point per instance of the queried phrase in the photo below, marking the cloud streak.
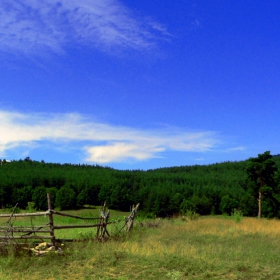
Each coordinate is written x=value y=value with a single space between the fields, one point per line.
x=34 y=26
x=99 y=142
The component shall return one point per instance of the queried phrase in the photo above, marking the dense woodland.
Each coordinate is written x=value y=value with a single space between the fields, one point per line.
x=206 y=189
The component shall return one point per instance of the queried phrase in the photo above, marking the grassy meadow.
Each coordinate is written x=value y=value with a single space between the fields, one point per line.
x=212 y=247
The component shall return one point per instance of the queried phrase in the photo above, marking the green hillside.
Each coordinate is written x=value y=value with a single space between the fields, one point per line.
x=206 y=189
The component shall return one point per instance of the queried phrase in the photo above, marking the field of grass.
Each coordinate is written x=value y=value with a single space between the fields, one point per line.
x=208 y=248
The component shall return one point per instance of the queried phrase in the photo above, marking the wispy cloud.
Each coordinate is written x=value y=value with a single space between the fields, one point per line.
x=236 y=149
x=29 y=26
x=99 y=142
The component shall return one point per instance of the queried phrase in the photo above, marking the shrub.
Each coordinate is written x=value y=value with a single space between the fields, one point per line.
x=30 y=206
x=192 y=215
x=237 y=215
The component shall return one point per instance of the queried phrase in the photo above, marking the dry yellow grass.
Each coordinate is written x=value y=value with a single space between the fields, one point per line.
x=210 y=248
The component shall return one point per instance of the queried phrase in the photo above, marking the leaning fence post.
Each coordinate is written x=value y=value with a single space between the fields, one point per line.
x=51 y=219
x=99 y=228
x=130 y=219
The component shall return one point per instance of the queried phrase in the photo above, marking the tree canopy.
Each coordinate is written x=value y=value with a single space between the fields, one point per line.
x=205 y=189
x=261 y=172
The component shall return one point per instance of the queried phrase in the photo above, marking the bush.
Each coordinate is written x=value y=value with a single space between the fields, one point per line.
x=192 y=215
x=237 y=215
x=30 y=207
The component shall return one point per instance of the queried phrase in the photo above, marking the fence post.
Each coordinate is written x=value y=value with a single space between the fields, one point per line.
x=102 y=227
x=51 y=219
x=130 y=219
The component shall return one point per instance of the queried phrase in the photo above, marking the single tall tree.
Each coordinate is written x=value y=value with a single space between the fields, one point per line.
x=261 y=171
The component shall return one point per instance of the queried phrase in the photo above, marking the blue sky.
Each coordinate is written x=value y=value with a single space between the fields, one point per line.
x=139 y=84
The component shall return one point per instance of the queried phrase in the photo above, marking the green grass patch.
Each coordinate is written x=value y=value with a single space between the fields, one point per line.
x=207 y=248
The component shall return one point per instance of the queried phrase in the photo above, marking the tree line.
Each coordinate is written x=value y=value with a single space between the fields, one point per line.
x=250 y=186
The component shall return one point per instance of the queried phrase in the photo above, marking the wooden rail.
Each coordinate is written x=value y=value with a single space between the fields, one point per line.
x=33 y=232
x=25 y=215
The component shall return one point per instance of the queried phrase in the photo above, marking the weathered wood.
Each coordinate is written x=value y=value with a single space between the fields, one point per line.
x=25 y=230
x=25 y=214
x=26 y=227
x=130 y=219
x=27 y=237
x=101 y=221
x=51 y=219
x=102 y=229
x=106 y=231
x=11 y=215
x=73 y=216
x=79 y=226
x=31 y=232
x=24 y=243
x=106 y=218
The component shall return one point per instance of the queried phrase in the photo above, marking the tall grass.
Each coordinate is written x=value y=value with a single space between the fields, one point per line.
x=207 y=248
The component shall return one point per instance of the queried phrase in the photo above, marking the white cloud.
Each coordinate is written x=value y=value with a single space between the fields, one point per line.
x=117 y=152
x=30 y=26
x=101 y=143
x=234 y=149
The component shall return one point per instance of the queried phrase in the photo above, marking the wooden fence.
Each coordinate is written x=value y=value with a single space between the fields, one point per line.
x=11 y=234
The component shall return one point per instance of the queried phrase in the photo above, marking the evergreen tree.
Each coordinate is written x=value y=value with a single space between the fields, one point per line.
x=261 y=182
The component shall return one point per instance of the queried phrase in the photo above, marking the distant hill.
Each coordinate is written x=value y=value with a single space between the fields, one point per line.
x=162 y=191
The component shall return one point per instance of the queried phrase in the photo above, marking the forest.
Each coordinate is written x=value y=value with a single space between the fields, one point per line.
x=218 y=188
